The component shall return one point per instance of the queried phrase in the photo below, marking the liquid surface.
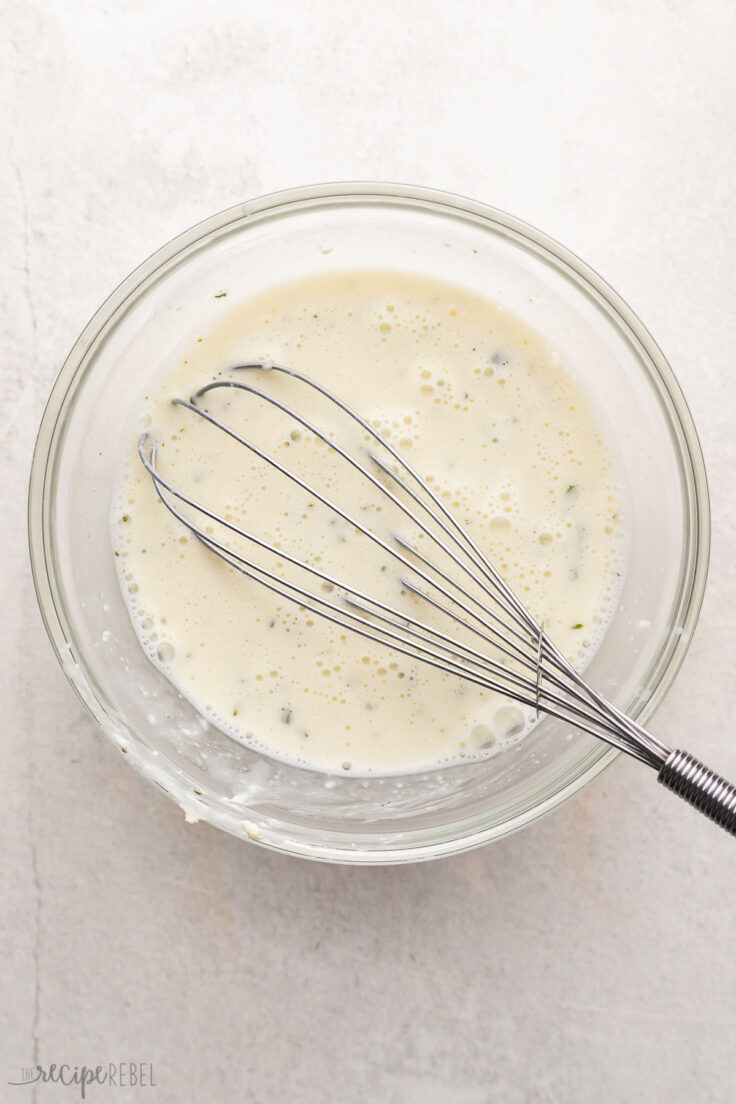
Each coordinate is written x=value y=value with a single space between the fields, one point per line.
x=478 y=404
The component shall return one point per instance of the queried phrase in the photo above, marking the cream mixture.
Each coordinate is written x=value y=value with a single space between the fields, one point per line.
x=480 y=406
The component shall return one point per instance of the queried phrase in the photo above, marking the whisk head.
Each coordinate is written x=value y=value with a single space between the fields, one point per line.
x=452 y=610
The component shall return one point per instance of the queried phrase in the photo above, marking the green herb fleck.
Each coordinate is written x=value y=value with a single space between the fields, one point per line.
x=579 y=625
x=221 y=295
x=571 y=488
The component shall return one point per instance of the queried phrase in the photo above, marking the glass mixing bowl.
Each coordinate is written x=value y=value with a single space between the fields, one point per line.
x=317 y=229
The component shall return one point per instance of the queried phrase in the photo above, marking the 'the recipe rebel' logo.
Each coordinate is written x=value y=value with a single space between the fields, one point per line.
x=117 y=1075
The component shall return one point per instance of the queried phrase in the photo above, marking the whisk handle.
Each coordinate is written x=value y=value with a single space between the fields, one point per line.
x=707 y=791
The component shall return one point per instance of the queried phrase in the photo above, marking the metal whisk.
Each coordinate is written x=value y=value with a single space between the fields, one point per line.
x=491 y=640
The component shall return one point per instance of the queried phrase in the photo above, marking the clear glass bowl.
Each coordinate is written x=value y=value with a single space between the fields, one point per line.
x=280 y=237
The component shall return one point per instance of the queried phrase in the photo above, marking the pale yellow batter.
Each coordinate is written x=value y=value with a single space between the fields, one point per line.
x=481 y=407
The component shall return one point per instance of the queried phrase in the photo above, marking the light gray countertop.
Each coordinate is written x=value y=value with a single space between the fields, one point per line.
x=590 y=957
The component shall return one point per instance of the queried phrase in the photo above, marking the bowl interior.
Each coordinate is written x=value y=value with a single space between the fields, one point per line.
x=245 y=250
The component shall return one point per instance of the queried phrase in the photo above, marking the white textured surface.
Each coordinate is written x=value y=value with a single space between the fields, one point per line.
x=590 y=957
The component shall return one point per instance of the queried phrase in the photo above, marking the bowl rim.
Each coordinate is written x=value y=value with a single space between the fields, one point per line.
x=528 y=237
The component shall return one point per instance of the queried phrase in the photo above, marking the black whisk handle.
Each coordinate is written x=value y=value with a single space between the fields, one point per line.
x=707 y=791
